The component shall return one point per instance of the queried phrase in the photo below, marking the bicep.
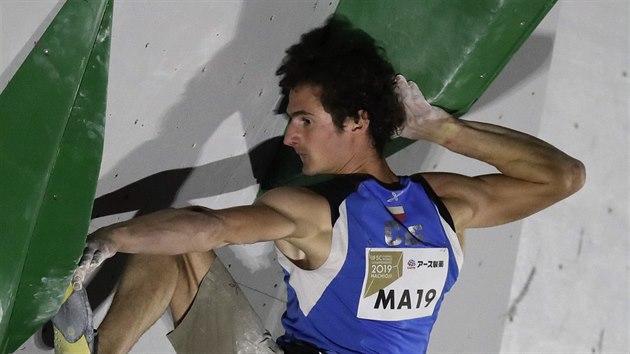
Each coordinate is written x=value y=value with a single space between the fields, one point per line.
x=252 y=223
x=283 y=213
x=489 y=200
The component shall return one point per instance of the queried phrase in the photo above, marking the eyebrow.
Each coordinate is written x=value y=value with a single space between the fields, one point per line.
x=299 y=113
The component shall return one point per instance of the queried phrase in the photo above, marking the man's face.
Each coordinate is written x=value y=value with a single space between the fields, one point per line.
x=322 y=147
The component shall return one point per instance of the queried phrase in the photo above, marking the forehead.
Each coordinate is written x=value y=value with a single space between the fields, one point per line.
x=303 y=98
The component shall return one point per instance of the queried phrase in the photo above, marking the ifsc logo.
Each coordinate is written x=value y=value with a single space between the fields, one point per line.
x=411 y=264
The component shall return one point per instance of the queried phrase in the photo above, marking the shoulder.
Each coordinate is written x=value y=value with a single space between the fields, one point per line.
x=309 y=243
x=291 y=199
x=452 y=190
x=313 y=211
x=326 y=195
x=284 y=195
x=438 y=199
x=331 y=191
x=307 y=209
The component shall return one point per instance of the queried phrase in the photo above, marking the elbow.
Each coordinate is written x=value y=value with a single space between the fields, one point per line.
x=573 y=177
x=577 y=173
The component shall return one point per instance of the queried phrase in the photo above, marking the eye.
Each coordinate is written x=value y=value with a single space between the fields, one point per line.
x=306 y=121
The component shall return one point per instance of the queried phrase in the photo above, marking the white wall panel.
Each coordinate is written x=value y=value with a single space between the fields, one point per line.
x=570 y=288
x=473 y=313
x=21 y=25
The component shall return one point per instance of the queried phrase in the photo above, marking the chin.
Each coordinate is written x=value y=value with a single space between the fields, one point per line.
x=308 y=172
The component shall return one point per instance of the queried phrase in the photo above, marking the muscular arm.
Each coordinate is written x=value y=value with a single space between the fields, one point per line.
x=291 y=214
x=196 y=229
x=533 y=174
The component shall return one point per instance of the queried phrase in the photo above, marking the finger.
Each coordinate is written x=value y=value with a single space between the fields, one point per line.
x=413 y=86
x=415 y=91
x=82 y=269
x=99 y=257
x=397 y=84
x=78 y=278
x=403 y=90
x=86 y=259
x=400 y=82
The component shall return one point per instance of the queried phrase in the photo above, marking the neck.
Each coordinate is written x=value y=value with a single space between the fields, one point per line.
x=374 y=166
x=383 y=173
x=364 y=159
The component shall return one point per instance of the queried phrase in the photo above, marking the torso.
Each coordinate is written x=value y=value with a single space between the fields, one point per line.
x=382 y=231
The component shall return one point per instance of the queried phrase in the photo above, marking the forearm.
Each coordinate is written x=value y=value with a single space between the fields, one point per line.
x=534 y=174
x=180 y=231
x=168 y=232
x=513 y=153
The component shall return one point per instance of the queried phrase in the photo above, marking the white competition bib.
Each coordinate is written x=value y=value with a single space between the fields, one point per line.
x=402 y=283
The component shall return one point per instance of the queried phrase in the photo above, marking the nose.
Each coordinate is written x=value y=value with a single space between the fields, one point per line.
x=291 y=135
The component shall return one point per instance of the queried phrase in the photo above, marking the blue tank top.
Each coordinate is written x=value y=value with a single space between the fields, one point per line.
x=394 y=254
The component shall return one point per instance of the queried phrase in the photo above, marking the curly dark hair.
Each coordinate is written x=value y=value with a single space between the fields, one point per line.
x=351 y=71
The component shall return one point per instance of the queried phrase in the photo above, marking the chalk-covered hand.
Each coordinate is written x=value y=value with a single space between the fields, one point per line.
x=98 y=248
x=422 y=121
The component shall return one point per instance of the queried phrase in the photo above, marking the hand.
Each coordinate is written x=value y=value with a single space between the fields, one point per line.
x=98 y=248
x=422 y=121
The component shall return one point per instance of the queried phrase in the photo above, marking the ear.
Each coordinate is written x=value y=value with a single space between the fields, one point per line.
x=361 y=122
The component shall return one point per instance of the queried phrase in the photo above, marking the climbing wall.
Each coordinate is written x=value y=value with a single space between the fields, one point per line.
x=53 y=115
